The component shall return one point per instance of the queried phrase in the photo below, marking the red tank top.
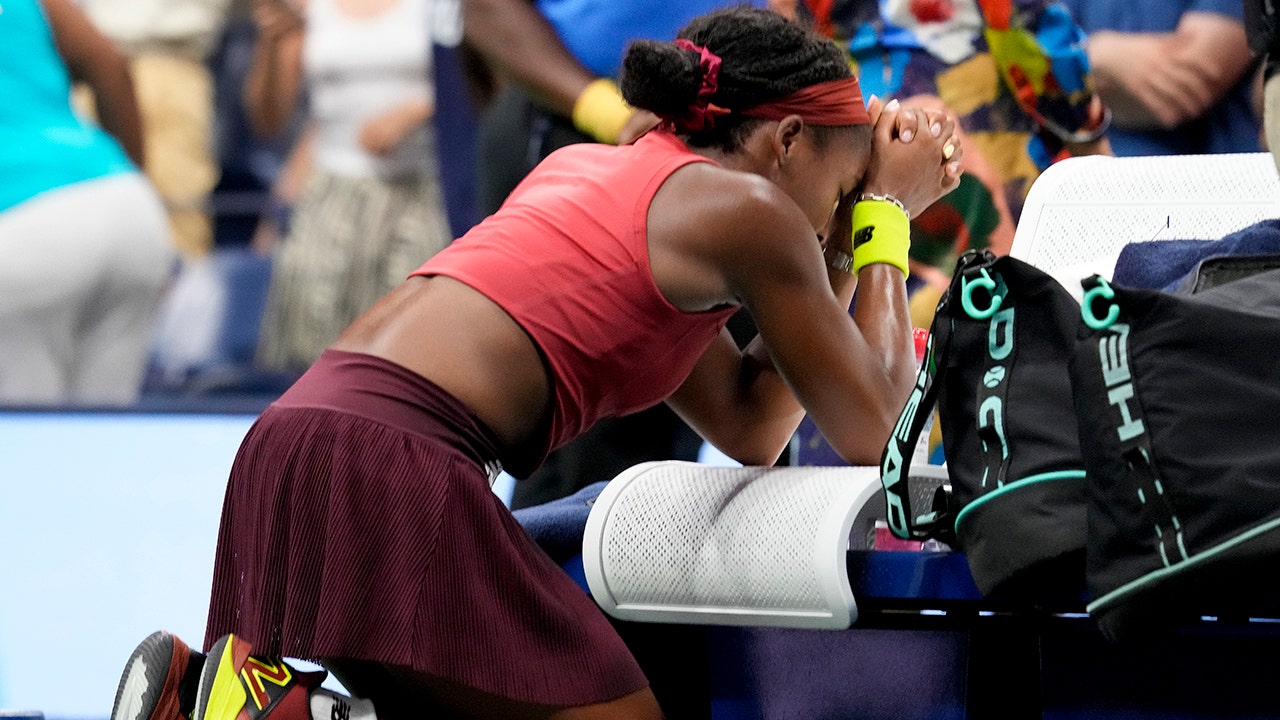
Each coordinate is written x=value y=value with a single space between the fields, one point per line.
x=567 y=257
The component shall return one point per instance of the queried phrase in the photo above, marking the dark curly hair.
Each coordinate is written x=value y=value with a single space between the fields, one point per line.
x=763 y=55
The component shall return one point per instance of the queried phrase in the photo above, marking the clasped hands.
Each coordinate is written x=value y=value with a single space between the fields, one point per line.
x=916 y=154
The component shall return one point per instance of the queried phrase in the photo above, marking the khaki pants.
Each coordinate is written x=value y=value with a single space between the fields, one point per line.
x=175 y=98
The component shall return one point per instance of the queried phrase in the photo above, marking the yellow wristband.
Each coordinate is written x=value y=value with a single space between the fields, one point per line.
x=881 y=234
x=600 y=111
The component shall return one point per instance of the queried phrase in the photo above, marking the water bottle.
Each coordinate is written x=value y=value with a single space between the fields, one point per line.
x=921 y=455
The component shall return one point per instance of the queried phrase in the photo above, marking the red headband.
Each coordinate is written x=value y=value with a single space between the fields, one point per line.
x=835 y=102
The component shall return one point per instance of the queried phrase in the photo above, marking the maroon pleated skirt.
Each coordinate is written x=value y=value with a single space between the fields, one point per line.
x=359 y=523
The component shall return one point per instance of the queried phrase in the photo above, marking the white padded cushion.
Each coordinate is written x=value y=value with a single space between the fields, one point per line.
x=687 y=543
x=1082 y=211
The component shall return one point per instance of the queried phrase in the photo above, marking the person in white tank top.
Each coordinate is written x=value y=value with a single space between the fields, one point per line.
x=372 y=208
x=370 y=95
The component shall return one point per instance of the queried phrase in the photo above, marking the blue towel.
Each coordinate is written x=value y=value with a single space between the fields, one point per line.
x=558 y=526
x=1165 y=264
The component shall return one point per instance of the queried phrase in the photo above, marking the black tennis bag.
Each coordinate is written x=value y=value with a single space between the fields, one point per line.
x=1178 y=397
x=996 y=369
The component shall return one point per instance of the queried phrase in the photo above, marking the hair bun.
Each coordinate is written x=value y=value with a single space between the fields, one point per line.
x=661 y=78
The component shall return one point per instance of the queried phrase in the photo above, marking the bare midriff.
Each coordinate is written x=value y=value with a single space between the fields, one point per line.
x=463 y=342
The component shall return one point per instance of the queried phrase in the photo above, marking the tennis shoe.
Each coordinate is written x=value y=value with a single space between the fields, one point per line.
x=235 y=685
x=159 y=680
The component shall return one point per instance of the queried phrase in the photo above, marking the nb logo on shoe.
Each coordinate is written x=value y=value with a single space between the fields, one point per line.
x=257 y=671
x=340 y=711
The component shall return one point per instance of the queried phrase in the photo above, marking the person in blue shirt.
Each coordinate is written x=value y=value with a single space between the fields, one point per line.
x=559 y=59
x=1175 y=73
x=84 y=244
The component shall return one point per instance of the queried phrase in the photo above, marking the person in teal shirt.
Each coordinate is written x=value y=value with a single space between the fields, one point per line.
x=84 y=249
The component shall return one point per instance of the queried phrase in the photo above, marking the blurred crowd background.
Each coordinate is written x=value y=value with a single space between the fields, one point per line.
x=196 y=196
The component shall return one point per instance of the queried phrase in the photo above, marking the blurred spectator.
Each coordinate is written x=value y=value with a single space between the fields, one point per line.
x=250 y=164
x=1017 y=79
x=168 y=43
x=209 y=321
x=371 y=210
x=1174 y=72
x=1263 y=28
x=559 y=59
x=464 y=86
x=84 y=248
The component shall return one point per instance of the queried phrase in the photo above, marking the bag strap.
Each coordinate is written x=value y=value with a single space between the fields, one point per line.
x=895 y=461
x=972 y=273
x=1126 y=419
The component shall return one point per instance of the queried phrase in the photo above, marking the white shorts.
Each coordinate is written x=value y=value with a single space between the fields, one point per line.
x=82 y=268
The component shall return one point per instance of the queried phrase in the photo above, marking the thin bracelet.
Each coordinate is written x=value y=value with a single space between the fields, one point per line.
x=885 y=198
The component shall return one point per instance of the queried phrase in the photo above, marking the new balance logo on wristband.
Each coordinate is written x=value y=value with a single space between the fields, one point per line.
x=862 y=235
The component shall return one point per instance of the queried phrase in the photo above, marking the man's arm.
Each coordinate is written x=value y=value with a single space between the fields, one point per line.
x=1161 y=80
x=519 y=42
